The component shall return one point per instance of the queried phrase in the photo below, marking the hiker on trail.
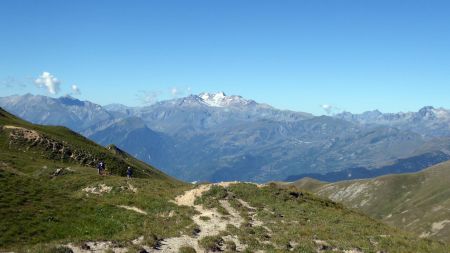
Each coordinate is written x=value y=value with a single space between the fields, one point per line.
x=129 y=172
x=101 y=167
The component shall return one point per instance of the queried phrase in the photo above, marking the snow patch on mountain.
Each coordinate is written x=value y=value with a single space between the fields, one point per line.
x=220 y=99
x=442 y=113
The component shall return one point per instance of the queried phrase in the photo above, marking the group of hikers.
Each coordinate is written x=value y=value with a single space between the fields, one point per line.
x=101 y=168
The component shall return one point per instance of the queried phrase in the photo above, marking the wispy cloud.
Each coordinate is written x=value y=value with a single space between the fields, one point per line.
x=75 y=89
x=180 y=91
x=48 y=81
x=148 y=97
x=174 y=91
x=327 y=108
x=12 y=82
x=330 y=109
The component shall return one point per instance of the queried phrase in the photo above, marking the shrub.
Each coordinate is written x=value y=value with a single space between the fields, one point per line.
x=211 y=243
x=186 y=249
x=230 y=246
x=61 y=249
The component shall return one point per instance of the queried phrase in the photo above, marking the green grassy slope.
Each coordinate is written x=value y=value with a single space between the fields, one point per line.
x=418 y=202
x=294 y=220
x=51 y=195
x=307 y=183
x=61 y=144
x=37 y=206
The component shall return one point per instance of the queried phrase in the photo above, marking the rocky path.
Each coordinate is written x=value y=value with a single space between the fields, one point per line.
x=210 y=226
x=208 y=221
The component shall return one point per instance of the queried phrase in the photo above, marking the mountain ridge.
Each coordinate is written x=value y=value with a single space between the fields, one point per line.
x=416 y=202
x=428 y=121
x=204 y=142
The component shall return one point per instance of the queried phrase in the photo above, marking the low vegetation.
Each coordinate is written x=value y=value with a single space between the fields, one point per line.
x=279 y=220
x=211 y=243
x=54 y=201
x=51 y=201
x=417 y=202
x=187 y=249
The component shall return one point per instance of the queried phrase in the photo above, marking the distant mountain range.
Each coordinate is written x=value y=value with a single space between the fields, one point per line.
x=428 y=121
x=407 y=165
x=215 y=137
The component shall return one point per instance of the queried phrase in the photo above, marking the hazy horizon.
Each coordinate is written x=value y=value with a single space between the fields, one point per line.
x=330 y=112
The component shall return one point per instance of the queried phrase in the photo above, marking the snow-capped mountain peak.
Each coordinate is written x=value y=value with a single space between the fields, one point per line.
x=442 y=113
x=220 y=99
x=429 y=112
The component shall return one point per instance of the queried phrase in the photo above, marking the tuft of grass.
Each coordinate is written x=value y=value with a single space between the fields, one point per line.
x=134 y=249
x=186 y=249
x=211 y=198
x=230 y=246
x=211 y=243
x=60 y=249
x=205 y=218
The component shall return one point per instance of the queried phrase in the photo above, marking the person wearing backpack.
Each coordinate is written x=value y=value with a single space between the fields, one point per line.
x=104 y=168
x=129 y=172
x=100 y=167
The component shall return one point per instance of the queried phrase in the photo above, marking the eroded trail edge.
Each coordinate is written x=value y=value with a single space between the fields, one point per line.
x=209 y=222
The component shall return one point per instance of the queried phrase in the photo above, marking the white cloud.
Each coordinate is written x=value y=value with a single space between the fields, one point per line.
x=180 y=92
x=12 y=82
x=148 y=97
x=75 y=90
x=175 y=91
x=330 y=109
x=327 y=108
x=48 y=81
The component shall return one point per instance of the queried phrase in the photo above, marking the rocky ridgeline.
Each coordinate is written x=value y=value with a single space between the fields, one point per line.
x=29 y=140
x=32 y=140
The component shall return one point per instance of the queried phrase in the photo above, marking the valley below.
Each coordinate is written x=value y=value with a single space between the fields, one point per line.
x=217 y=137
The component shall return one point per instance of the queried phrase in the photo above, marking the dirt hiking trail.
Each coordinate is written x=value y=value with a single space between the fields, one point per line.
x=210 y=226
x=209 y=222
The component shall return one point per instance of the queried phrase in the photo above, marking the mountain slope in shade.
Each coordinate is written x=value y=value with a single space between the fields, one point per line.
x=133 y=135
x=407 y=165
x=64 y=111
x=418 y=202
x=216 y=137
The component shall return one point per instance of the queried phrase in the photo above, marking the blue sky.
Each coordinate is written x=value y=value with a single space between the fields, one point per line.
x=353 y=55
